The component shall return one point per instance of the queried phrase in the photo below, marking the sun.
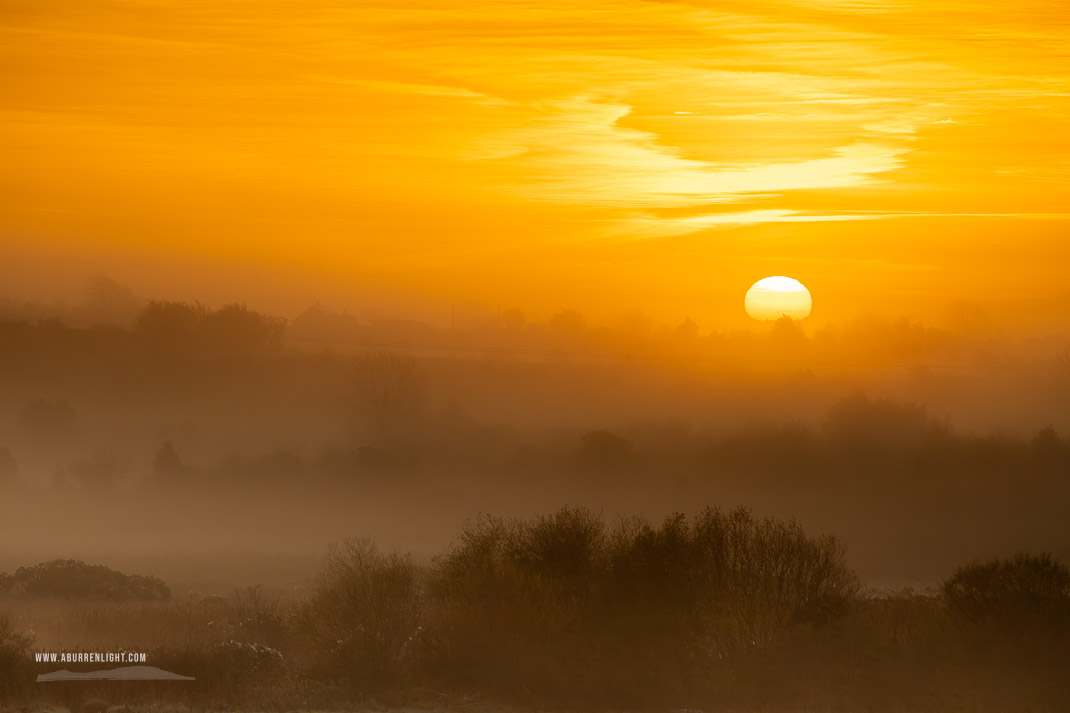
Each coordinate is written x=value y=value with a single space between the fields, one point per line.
x=776 y=297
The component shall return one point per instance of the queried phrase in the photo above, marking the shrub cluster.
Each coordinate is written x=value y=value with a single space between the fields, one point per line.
x=1023 y=600
x=73 y=578
x=364 y=616
x=180 y=326
x=15 y=668
x=565 y=609
x=562 y=611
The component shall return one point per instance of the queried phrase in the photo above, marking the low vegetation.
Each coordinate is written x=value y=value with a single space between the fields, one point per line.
x=76 y=579
x=716 y=611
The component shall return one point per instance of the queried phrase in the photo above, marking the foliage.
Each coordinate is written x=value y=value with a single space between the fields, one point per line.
x=258 y=614
x=169 y=326
x=103 y=469
x=390 y=388
x=1023 y=595
x=247 y=660
x=604 y=449
x=746 y=579
x=168 y=468
x=365 y=614
x=109 y=300
x=559 y=604
x=15 y=673
x=176 y=327
x=235 y=326
x=228 y=672
x=76 y=579
x=860 y=425
x=717 y=611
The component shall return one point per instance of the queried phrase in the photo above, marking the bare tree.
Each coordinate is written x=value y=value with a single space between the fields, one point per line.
x=1060 y=369
x=110 y=300
x=390 y=388
x=366 y=613
x=104 y=469
x=1059 y=375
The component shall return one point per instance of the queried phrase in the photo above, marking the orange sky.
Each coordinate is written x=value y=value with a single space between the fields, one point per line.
x=603 y=155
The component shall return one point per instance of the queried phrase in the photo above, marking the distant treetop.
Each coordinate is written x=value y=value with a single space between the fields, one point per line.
x=178 y=326
x=71 y=579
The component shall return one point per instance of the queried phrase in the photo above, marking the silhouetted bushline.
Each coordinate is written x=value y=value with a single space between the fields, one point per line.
x=715 y=611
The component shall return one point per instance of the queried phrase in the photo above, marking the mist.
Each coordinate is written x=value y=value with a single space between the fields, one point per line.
x=157 y=429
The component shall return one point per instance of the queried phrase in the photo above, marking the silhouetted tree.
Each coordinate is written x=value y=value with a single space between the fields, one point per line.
x=16 y=671
x=1048 y=449
x=787 y=335
x=636 y=324
x=366 y=613
x=875 y=427
x=74 y=578
x=1060 y=376
x=391 y=390
x=568 y=323
x=166 y=460
x=557 y=607
x=1022 y=599
x=103 y=469
x=604 y=449
x=168 y=468
x=513 y=319
x=170 y=327
x=687 y=330
x=237 y=327
x=1060 y=368
x=110 y=300
x=181 y=326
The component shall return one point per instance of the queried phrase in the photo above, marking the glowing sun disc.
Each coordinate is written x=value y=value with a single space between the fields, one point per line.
x=776 y=297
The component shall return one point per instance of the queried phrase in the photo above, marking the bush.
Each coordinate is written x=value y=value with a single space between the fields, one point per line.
x=1024 y=596
x=247 y=661
x=603 y=449
x=366 y=614
x=176 y=327
x=557 y=610
x=390 y=389
x=231 y=673
x=731 y=577
x=101 y=471
x=15 y=668
x=865 y=427
x=512 y=602
x=73 y=578
x=258 y=614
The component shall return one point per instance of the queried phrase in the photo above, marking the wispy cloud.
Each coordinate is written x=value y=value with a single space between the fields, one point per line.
x=461 y=125
x=646 y=225
x=577 y=151
x=433 y=90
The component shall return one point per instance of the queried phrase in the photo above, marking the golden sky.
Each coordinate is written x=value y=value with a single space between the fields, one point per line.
x=605 y=155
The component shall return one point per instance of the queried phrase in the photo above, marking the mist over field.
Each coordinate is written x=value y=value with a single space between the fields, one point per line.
x=331 y=511
x=147 y=431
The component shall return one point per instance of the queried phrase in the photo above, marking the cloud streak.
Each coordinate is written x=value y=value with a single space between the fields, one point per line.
x=447 y=143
